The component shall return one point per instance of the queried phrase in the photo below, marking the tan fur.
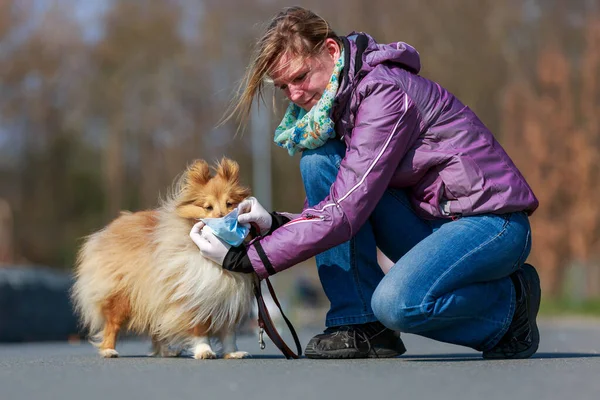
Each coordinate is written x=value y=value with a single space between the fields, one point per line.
x=142 y=272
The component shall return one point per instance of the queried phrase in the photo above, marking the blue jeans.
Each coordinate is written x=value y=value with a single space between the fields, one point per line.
x=450 y=280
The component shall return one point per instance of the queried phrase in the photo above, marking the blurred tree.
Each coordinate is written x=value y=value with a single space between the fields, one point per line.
x=88 y=128
x=461 y=43
x=551 y=129
x=134 y=69
x=7 y=248
x=39 y=81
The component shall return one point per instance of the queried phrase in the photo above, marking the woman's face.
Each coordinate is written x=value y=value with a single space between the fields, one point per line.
x=303 y=81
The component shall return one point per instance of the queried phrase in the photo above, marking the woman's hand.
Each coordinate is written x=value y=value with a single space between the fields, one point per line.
x=251 y=212
x=231 y=258
x=210 y=246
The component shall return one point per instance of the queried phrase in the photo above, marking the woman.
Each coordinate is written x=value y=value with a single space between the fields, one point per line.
x=390 y=160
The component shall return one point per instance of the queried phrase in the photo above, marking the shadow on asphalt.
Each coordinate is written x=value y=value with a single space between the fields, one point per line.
x=253 y=357
x=450 y=357
x=565 y=355
x=476 y=357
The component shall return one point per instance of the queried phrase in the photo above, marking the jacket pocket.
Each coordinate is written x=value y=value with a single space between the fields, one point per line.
x=463 y=180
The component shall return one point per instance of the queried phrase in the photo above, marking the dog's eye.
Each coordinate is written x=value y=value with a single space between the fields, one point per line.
x=229 y=204
x=209 y=208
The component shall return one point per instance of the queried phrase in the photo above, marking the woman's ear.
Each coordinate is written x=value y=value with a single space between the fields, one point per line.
x=333 y=48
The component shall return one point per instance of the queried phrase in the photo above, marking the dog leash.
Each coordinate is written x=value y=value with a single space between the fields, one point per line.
x=265 y=323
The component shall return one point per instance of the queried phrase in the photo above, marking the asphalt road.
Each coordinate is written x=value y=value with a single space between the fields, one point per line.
x=567 y=366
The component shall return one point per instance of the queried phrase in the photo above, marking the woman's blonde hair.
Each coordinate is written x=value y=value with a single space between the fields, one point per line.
x=295 y=32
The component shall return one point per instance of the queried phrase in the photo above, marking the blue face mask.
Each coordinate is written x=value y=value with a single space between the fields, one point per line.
x=227 y=228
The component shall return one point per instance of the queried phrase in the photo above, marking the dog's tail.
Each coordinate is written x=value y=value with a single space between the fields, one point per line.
x=88 y=311
x=89 y=290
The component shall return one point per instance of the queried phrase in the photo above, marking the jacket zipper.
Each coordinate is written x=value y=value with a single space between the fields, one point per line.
x=310 y=216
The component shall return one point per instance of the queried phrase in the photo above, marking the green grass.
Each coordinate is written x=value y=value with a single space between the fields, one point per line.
x=554 y=307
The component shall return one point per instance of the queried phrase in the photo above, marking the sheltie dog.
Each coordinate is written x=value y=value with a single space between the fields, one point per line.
x=143 y=273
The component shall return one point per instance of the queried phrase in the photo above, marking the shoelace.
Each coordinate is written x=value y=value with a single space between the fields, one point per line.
x=357 y=333
x=360 y=333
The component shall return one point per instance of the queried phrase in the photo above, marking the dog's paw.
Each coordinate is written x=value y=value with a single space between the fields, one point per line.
x=109 y=353
x=205 y=355
x=237 y=355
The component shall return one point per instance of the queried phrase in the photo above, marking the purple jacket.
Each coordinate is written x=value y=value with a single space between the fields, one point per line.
x=401 y=131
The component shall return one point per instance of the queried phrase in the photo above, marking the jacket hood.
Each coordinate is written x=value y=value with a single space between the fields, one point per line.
x=398 y=53
x=362 y=55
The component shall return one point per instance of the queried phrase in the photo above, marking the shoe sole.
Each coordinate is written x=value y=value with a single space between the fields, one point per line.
x=533 y=305
x=311 y=352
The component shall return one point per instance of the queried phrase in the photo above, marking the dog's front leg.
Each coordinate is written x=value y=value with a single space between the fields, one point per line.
x=201 y=348
x=200 y=342
x=230 y=350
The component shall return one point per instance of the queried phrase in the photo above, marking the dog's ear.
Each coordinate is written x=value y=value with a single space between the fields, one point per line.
x=198 y=172
x=228 y=170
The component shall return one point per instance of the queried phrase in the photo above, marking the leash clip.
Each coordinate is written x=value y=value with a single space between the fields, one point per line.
x=261 y=341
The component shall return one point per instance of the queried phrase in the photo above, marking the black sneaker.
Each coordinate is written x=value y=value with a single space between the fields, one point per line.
x=523 y=337
x=370 y=340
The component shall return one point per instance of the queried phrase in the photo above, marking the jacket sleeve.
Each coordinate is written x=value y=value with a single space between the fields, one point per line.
x=386 y=125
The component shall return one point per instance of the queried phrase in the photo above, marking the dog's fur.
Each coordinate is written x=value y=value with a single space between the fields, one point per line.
x=143 y=272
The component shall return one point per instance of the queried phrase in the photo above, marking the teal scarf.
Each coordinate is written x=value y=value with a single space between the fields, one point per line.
x=301 y=130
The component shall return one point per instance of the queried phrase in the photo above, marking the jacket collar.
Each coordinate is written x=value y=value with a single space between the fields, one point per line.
x=355 y=45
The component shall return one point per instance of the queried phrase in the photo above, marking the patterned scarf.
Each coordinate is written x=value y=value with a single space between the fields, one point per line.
x=300 y=129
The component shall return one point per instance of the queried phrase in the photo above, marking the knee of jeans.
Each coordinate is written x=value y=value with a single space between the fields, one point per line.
x=393 y=307
x=318 y=168
x=314 y=162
